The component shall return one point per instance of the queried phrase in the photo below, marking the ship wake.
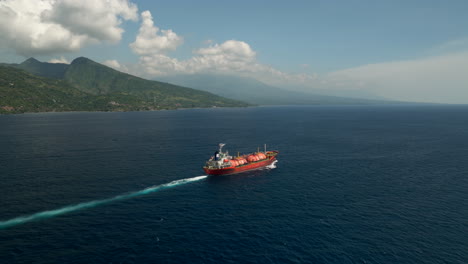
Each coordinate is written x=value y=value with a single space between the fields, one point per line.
x=86 y=205
x=272 y=165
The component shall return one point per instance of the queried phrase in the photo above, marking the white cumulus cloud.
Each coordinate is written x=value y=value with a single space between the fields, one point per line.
x=232 y=48
x=152 y=40
x=33 y=27
x=230 y=56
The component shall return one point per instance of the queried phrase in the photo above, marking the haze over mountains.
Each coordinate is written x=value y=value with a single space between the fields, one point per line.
x=255 y=92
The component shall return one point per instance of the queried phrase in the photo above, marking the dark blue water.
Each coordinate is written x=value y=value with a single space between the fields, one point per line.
x=354 y=184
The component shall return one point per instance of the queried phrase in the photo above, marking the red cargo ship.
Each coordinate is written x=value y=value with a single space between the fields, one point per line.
x=221 y=163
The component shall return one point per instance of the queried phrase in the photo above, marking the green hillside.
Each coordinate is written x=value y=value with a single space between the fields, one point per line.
x=85 y=85
x=22 y=92
x=95 y=78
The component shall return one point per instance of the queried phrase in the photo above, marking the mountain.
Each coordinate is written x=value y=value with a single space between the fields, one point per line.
x=49 y=70
x=255 y=92
x=85 y=85
x=21 y=92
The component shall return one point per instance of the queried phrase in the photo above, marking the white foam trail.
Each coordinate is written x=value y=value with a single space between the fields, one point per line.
x=85 y=205
x=272 y=165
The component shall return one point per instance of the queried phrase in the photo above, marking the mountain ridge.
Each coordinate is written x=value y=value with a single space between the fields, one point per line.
x=105 y=88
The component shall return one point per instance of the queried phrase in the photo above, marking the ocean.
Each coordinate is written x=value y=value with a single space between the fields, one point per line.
x=353 y=184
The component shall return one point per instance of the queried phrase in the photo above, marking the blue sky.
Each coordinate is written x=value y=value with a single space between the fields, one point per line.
x=328 y=35
x=302 y=45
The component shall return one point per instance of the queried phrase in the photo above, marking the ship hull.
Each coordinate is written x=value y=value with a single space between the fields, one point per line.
x=242 y=168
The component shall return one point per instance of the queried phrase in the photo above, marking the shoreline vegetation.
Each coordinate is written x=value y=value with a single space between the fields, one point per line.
x=87 y=86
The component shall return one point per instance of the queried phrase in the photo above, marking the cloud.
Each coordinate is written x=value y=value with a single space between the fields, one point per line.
x=153 y=44
x=232 y=49
x=117 y=66
x=152 y=40
x=112 y=63
x=33 y=27
x=230 y=56
x=59 y=60
x=160 y=65
x=433 y=79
